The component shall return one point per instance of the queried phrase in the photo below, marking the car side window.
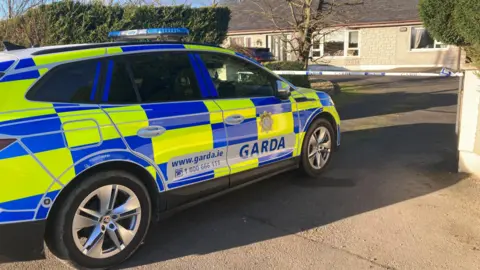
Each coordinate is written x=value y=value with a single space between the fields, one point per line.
x=121 y=89
x=163 y=77
x=236 y=78
x=70 y=83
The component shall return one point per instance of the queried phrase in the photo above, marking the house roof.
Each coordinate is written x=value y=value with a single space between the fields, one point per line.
x=247 y=14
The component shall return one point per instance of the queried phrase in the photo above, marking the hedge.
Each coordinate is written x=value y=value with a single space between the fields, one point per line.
x=467 y=18
x=454 y=22
x=69 y=22
x=297 y=80
x=437 y=16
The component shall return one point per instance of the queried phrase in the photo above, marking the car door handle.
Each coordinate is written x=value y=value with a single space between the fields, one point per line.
x=151 y=131
x=234 y=119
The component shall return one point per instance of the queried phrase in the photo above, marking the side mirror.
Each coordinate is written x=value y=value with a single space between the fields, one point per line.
x=283 y=90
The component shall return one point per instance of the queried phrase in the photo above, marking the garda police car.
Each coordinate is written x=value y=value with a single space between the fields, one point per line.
x=97 y=140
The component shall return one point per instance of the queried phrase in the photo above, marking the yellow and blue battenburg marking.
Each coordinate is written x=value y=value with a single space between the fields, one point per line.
x=52 y=143
x=4 y=65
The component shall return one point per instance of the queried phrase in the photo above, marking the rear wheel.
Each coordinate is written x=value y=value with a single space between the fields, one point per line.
x=317 y=148
x=102 y=222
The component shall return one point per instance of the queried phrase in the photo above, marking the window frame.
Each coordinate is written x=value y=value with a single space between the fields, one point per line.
x=347 y=43
x=435 y=42
x=346 y=48
x=50 y=73
x=319 y=49
x=242 y=59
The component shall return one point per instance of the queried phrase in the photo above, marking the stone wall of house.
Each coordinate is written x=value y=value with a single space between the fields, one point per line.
x=378 y=46
x=389 y=47
x=435 y=57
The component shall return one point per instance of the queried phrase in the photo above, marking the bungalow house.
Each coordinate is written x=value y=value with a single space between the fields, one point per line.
x=376 y=35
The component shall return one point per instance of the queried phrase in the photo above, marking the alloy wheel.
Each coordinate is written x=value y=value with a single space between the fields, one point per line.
x=319 y=147
x=106 y=221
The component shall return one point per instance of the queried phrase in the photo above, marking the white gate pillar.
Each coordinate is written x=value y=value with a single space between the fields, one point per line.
x=469 y=125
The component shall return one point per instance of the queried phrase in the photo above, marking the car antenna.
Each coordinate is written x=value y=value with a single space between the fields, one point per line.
x=11 y=47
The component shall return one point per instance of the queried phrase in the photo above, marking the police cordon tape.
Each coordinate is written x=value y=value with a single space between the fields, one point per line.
x=443 y=73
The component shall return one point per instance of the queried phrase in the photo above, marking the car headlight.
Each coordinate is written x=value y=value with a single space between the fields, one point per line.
x=331 y=100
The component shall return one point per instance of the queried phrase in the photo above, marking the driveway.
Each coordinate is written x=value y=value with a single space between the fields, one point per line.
x=391 y=199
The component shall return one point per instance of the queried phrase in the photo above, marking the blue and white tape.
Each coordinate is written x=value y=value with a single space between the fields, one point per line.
x=443 y=73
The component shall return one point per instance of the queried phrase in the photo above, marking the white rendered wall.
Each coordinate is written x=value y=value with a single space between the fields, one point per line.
x=469 y=140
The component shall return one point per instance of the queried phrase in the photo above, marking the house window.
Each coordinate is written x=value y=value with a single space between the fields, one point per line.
x=317 y=48
x=237 y=41
x=352 y=45
x=248 y=42
x=421 y=39
x=334 y=44
x=339 y=43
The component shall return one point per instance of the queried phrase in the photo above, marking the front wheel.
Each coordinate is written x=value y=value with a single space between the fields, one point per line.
x=102 y=221
x=317 y=148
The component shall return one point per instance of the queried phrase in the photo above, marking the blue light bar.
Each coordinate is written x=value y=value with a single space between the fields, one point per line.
x=150 y=33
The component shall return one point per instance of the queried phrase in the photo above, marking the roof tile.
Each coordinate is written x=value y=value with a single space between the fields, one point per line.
x=247 y=15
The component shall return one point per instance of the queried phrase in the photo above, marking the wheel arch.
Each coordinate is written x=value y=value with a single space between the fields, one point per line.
x=136 y=169
x=329 y=117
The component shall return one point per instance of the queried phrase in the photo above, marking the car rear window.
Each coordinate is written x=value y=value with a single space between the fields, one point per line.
x=71 y=83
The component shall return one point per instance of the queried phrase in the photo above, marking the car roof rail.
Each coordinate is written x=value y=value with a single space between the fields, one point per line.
x=11 y=47
x=112 y=44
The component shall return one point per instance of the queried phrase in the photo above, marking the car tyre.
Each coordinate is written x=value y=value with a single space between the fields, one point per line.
x=317 y=148
x=126 y=216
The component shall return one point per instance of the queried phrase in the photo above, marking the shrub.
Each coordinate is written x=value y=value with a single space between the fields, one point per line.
x=240 y=49
x=467 y=18
x=68 y=22
x=437 y=16
x=297 y=80
x=454 y=22
x=473 y=55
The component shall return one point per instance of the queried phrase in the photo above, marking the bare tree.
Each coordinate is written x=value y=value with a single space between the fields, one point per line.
x=303 y=22
x=25 y=30
x=14 y=8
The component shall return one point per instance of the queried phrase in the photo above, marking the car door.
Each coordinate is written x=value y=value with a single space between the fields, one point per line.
x=163 y=117
x=260 y=126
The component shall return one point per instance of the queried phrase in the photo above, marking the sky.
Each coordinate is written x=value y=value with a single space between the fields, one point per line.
x=194 y=3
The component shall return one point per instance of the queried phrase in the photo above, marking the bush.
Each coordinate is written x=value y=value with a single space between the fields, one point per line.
x=240 y=49
x=467 y=18
x=438 y=19
x=68 y=22
x=473 y=55
x=454 y=22
x=297 y=80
